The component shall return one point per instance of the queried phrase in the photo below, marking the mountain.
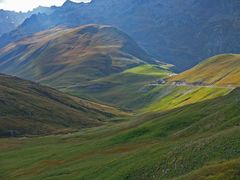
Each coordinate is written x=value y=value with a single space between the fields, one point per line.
x=176 y=31
x=196 y=141
x=10 y=20
x=64 y=57
x=42 y=10
x=221 y=70
x=27 y=108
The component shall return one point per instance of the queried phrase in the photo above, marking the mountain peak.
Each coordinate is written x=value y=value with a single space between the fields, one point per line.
x=69 y=3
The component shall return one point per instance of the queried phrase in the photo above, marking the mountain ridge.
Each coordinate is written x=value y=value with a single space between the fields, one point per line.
x=175 y=31
x=10 y=20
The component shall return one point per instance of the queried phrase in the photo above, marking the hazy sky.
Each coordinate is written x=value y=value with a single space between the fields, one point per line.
x=25 y=5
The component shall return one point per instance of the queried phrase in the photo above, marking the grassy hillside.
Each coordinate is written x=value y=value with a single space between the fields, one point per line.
x=221 y=170
x=147 y=88
x=198 y=140
x=167 y=97
x=62 y=57
x=28 y=108
x=212 y=78
x=221 y=70
x=122 y=89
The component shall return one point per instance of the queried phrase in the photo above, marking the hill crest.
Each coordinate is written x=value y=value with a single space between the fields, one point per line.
x=222 y=70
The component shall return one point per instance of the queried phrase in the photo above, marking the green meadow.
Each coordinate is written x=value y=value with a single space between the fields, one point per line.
x=181 y=143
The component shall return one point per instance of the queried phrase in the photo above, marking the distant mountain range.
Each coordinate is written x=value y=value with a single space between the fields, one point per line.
x=10 y=20
x=176 y=31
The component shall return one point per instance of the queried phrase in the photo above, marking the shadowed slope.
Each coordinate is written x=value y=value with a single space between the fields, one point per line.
x=28 y=108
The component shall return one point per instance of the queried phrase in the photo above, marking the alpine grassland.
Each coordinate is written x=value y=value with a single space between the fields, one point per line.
x=179 y=143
